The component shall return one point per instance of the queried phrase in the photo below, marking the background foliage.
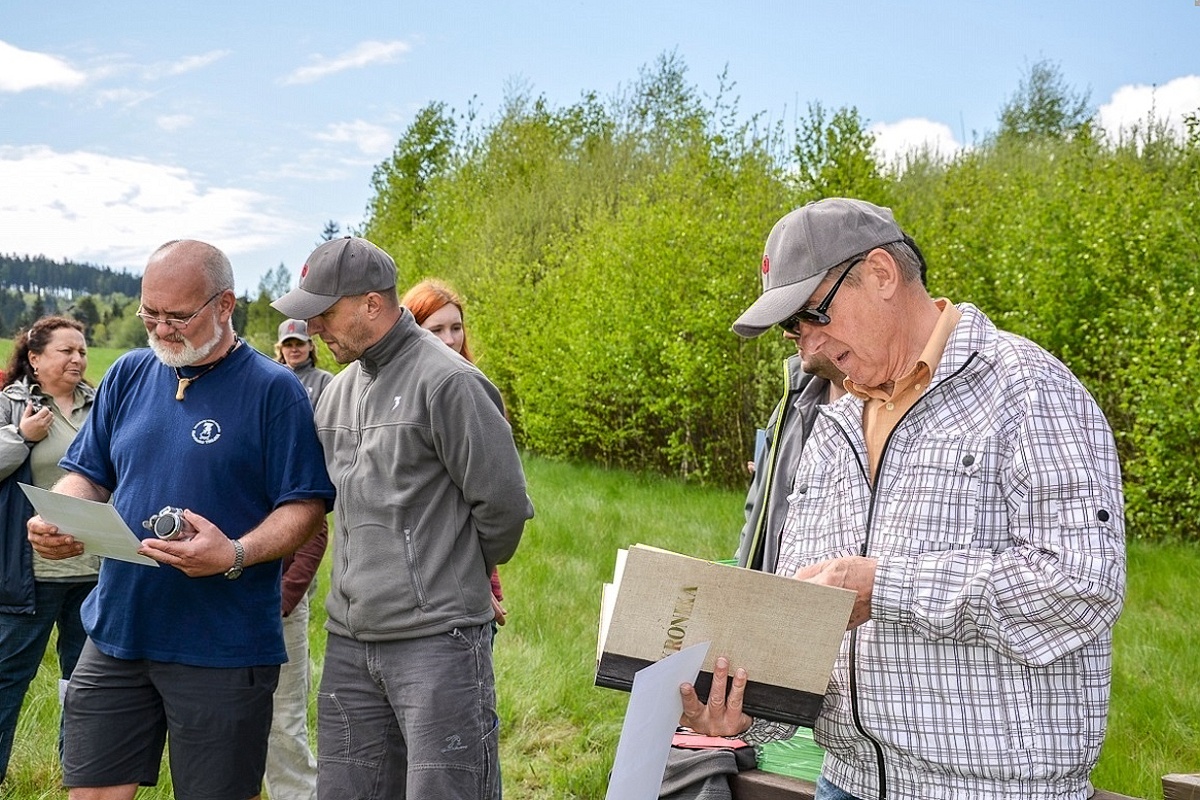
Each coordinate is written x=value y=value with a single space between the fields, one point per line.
x=605 y=247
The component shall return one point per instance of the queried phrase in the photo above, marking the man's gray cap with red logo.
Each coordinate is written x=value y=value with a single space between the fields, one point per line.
x=293 y=329
x=805 y=245
x=339 y=268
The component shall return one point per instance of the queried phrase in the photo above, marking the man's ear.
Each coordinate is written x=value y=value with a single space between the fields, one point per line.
x=374 y=304
x=881 y=273
x=226 y=304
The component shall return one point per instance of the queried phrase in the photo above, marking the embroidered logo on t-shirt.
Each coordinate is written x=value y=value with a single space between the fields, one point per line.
x=206 y=431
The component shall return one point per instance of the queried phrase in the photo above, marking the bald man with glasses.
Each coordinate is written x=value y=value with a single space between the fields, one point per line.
x=188 y=651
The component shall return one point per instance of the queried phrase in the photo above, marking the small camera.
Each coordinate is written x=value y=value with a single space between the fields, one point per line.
x=169 y=524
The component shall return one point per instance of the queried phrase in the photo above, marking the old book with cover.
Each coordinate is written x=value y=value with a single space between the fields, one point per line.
x=785 y=632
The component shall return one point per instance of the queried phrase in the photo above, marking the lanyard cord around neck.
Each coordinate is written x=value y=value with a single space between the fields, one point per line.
x=185 y=382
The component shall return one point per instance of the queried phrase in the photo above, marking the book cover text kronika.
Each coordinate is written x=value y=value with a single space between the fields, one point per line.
x=785 y=632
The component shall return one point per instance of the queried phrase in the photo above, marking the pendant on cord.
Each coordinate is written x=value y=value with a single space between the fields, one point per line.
x=185 y=382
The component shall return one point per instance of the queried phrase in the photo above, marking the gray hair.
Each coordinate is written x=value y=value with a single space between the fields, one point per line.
x=904 y=253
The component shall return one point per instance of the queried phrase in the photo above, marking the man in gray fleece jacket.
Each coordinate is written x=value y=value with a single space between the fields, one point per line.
x=431 y=496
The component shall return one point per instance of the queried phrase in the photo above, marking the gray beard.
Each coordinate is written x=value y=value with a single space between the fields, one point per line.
x=188 y=355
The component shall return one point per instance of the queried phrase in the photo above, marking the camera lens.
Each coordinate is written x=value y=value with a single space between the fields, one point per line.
x=166 y=526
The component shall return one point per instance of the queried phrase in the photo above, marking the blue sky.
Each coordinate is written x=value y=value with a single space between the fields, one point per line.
x=250 y=124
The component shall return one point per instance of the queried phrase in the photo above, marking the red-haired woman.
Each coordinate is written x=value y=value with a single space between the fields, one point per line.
x=439 y=310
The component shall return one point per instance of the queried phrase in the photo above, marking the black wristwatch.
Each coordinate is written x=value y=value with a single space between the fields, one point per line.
x=239 y=553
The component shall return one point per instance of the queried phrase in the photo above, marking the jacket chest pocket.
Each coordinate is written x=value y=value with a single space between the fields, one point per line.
x=944 y=486
x=826 y=510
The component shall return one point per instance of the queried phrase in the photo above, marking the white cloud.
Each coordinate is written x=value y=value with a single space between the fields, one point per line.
x=174 y=122
x=369 y=138
x=318 y=166
x=122 y=97
x=21 y=70
x=895 y=140
x=365 y=54
x=190 y=63
x=100 y=209
x=1132 y=106
x=116 y=65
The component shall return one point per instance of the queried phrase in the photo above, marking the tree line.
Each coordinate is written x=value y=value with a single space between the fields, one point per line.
x=31 y=286
x=106 y=300
x=604 y=248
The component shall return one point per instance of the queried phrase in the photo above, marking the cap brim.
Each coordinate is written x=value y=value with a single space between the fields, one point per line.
x=303 y=304
x=775 y=305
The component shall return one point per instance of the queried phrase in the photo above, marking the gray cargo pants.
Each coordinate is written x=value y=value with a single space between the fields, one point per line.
x=410 y=718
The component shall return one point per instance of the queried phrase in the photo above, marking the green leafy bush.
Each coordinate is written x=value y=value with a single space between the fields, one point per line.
x=1090 y=248
x=604 y=249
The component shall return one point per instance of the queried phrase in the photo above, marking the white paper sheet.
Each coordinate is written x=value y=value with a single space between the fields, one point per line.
x=97 y=525
x=650 y=721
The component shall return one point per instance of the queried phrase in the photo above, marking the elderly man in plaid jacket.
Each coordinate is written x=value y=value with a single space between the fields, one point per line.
x=967 y=488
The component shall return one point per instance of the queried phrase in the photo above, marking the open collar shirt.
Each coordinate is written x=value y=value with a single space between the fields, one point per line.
x=882 y=409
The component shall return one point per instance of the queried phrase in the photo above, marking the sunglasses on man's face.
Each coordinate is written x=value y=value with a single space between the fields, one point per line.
x=818 y=315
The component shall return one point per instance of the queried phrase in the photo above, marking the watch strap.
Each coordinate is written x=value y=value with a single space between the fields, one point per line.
x=239 y=556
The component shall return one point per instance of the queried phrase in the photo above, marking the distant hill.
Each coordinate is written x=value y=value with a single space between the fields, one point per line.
x=40 y=275
x=34 y=285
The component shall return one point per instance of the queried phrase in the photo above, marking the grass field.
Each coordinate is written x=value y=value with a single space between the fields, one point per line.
x=559 y=732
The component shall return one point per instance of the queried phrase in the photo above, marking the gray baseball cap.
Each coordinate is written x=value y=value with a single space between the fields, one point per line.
x=293 y=329
x=805 y=245
x=338 y=268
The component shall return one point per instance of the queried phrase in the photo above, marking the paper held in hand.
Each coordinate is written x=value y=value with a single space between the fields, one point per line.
x=785 y=632
x=97 y=525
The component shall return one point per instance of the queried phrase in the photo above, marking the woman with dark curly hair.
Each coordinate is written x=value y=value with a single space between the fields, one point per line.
x=44 y=401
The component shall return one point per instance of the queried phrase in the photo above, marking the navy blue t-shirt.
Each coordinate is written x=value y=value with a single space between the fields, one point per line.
x=240 y=443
